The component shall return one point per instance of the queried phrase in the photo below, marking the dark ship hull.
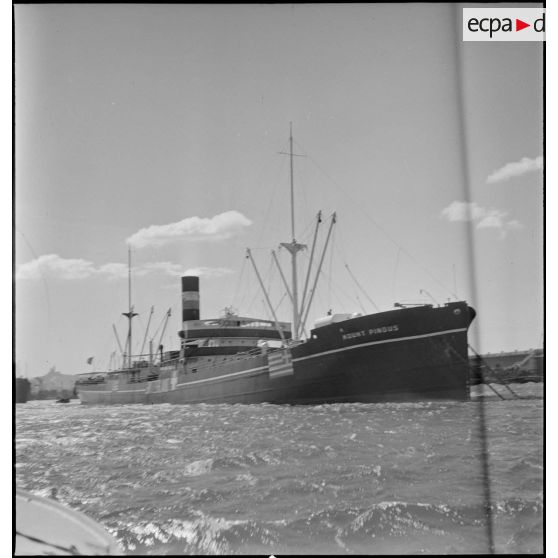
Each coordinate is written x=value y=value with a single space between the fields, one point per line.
x=410 y=354
x=22 y=390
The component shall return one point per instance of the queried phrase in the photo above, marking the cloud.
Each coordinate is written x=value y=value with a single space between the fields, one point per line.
x=219 y=227
x=208 y=271
x=463 y=211
x=485 y=217
x=494 y=219
x=168 y=268
x=52 y=265
x=514 y=224
x=112 y=270
x=517 y=168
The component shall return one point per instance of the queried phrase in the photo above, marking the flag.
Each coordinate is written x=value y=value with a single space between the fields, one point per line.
x=280 y=363
x=89 y=360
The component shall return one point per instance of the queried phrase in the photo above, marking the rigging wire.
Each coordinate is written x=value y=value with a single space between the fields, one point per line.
x=395 y=270
x=361 y=306
x=333 y=248
x=307 y=232
x=361 y=208
x=269 y=275
x=249 y=286
x=266 y=221
x=121 y=353
x=154 y=336
x=340 y=247
x=266 y=279
x=109 y=340
x=239 y=281
x=302 y=190
x=45 y=284
x=137 y=341
x=334 y=291
x=360 y=287
x=279 y=303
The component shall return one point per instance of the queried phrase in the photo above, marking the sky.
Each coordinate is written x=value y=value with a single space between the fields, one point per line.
x=161 y=127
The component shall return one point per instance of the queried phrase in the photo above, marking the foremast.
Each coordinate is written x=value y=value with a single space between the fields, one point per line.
x=130 y=314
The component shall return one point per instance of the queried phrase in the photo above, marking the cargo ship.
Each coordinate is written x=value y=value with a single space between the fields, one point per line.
x=410 y=353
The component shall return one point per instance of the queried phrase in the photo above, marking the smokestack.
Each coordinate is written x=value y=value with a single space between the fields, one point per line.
x=190 y=298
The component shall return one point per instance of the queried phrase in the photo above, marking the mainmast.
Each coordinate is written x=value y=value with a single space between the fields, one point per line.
x=300 y=312
x=292 y=179
x=293 y=247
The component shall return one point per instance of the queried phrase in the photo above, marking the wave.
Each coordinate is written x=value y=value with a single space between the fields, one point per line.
x=268 y=479
x=383 y=526
x=196 y=468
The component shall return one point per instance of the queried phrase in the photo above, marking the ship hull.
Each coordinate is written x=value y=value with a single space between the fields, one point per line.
x=22 y=390
x=413 y=354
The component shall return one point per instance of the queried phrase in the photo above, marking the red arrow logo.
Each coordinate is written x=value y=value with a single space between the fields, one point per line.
x=519 y=25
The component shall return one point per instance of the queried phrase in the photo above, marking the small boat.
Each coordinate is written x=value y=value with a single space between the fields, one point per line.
x=64 y=395
x=46 y=527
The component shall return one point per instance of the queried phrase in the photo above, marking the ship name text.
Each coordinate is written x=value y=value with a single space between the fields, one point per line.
x=369 y=332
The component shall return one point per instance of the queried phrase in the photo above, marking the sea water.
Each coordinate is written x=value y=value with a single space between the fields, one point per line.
x=268 y=479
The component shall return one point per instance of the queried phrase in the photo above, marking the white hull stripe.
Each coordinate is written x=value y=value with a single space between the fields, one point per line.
x=114 y=391
x=216 y=379
x=379 y=343
x=223 y=376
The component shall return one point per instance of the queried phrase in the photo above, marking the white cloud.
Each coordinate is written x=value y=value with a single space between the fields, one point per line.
x=219 y=227
x=485 y=217
x=516 y=168
x=168 y=268
x=52 y=265
x=493 y=219
x=113 y=270
x=514 y=224
x=463 y=211
x=207 y=271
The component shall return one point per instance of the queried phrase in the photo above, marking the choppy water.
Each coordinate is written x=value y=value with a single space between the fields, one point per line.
x=330 y=479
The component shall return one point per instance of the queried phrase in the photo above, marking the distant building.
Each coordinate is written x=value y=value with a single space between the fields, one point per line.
x=52 y=385
x=507 y=367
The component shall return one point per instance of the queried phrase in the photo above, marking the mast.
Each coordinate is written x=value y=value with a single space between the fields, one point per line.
x=293 y=247
x=118 y=341
x=305 y=290
x=146 y=330
x=319 y=270
x=130 y=306
x=292 y=179
x=130 y=314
